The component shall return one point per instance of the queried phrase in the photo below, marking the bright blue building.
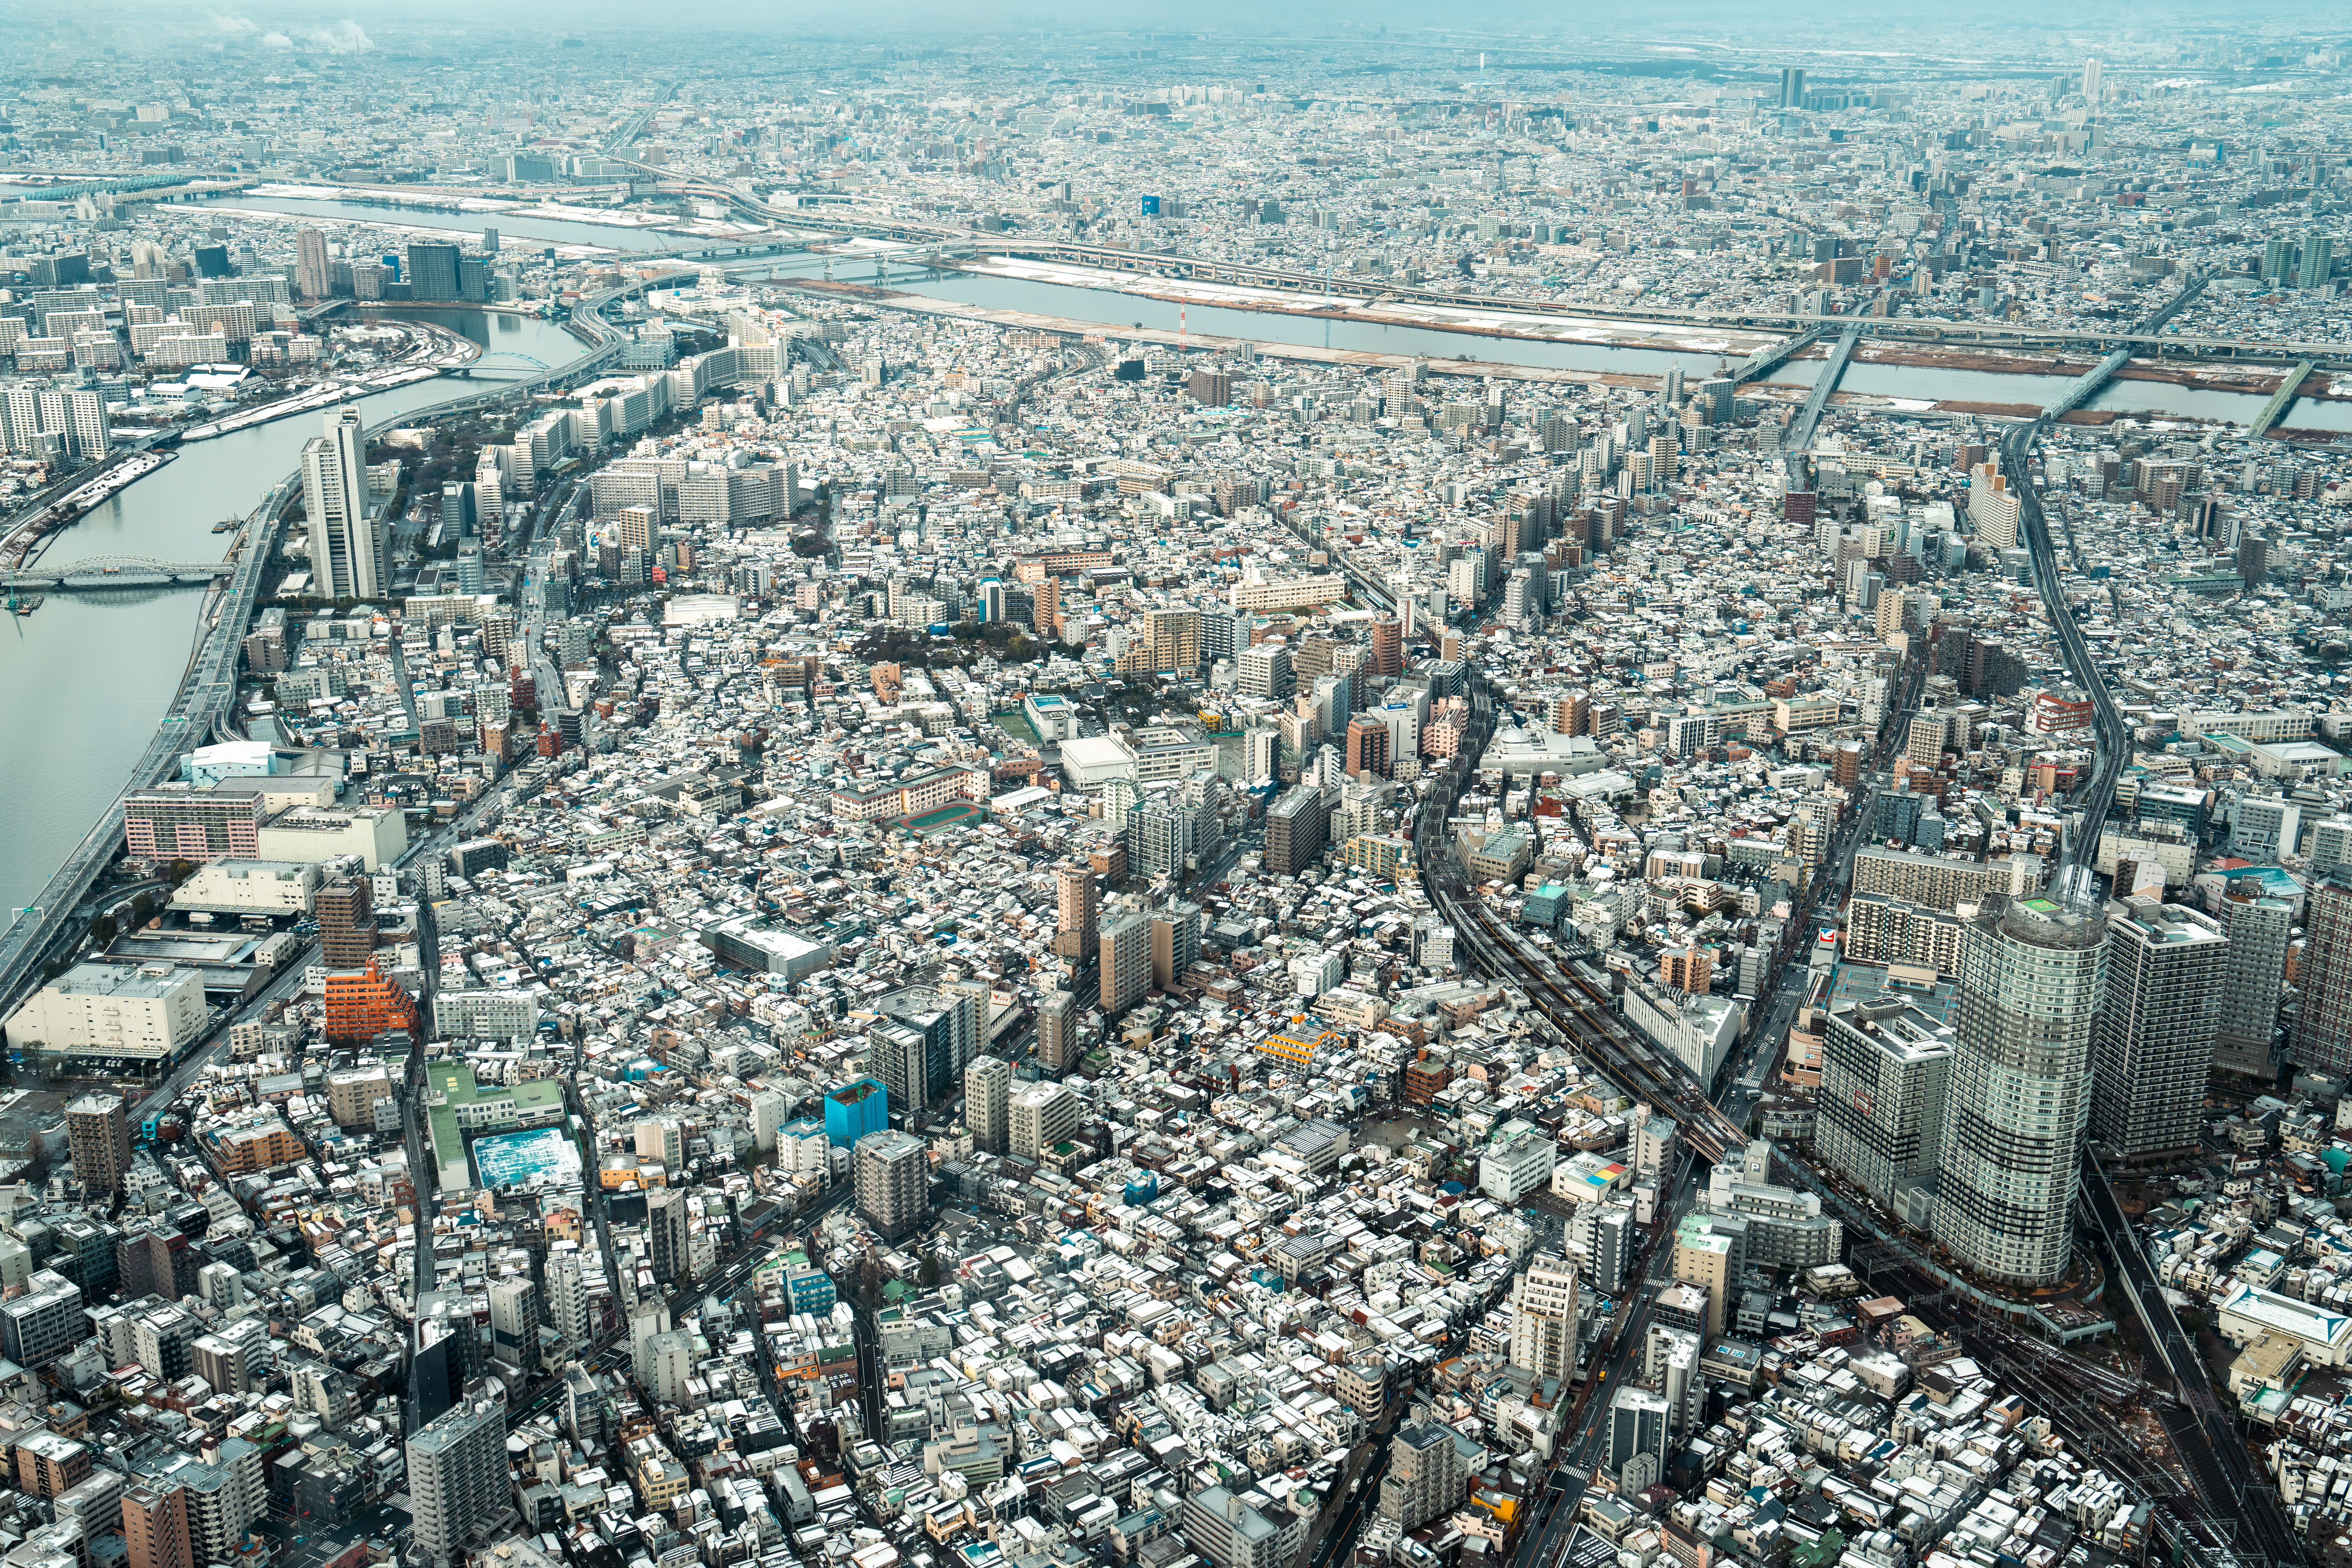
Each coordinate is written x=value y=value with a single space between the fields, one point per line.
x=853 y=1109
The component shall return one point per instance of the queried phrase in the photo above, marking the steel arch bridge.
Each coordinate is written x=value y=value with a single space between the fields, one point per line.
x=102 y=573
x=508 y=363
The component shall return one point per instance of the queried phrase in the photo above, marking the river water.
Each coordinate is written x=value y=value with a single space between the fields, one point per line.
x=85 y=680
x=1110 y=308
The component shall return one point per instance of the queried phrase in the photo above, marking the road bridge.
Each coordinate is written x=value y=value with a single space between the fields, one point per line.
x=109 y=574
x=1797 y=445
x=2275 y=409
x=1765 y=360
x=2146 y=335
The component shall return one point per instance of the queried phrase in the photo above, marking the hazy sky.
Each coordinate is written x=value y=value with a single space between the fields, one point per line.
x=2010 y=28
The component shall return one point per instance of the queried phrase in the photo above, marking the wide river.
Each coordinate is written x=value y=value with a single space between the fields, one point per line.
x=84 y=681
x=1111 y=307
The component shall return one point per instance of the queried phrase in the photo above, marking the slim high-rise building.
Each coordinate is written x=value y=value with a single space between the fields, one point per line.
x=567 y=1297
x=948 y=1019
x=2322 y=1038
x=1175 y=942
x=1711 y=1253
x=892 y=1172
x=1427 y=1477
x=514 y=1324
x=1296 y=828
x=1543 y=1317
x=314 y=273
x=2317 y=261
x=1172 y=641
x=2092 y=73
x=1792 y=86
x=1040 y=1115
x=432 y=269
x=457 y=1478
x=98 y=1133
x=987 y=1086
x=1640 y=1424
x=345 y=911
x=1125 y=956
x=1077 y=907
x=2260 y=929
x=1670 y=1358
x=349 y=554
x=155 y=1525
x=1387 y=646
x=2152 y=1048
x=666 y=1227
x=1057 y=1031
x=1880 y=1118
x=2020 y=1087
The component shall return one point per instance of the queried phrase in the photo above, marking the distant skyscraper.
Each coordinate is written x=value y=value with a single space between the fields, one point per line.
x=349 y=554
x=2324 y=1037
x=432 y=269
x=457 y=1478
x=98 y=1133
x=1792 y=88
x=987 y=1085
x=2260 y=929
x=1543 y=1317
x=892 y=1174
x=2317 y=261
x=2019 y=1094
x=2152 y=1049
x=1125 y=957
x=2090 y=73
x=313 y=272
x=666 y=1225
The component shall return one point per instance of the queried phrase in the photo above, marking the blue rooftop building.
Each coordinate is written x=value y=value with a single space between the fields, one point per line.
x=856 y=1108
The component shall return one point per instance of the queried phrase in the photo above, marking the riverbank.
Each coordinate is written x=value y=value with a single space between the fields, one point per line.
x=36 y=528
x=85 y=683
x=896 y=300
x=1502 y=322
x=2257 y=380
x=323 y=396
x=2247 y=378
x=1859 y=400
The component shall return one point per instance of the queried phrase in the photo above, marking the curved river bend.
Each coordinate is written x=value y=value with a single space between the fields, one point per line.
x=85 y=680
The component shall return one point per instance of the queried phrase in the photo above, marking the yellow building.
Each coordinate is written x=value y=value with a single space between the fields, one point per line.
x=1297 y=1050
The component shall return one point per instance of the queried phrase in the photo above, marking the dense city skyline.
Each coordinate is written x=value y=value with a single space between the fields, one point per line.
x=1090 y=788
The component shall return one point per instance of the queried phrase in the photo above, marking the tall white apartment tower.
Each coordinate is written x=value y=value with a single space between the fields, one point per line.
x=2019 y=1097
x=349 y=558
x=1543 y=1317
x=314 y=273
